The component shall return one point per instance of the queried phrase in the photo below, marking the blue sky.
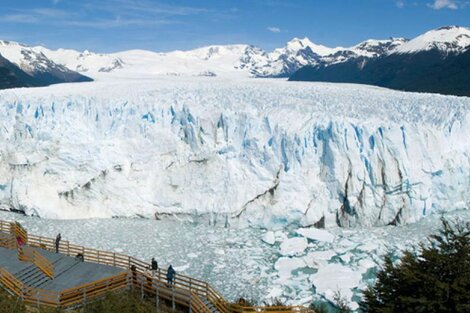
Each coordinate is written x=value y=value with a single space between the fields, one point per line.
x=164 y=25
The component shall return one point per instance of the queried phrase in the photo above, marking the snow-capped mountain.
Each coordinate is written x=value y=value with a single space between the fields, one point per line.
x=228 y=60
x=368 y=49
x=449 y=39
x=377 y=48
x=11 y=76
x=84 y=62
x=294 y=55
x=437 y=61
x=42 y=70
x=28 y=59
x=216 y=60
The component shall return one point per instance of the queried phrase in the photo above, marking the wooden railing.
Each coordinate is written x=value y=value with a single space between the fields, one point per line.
x=77 y=295
x=11 y=282
x=269 y=309
x=19 y=231
x=28 y=254
x=198 y=306
x=65 y=298
x=8 y=241
x=185 y=291
x=43 y=264
x=5 y=227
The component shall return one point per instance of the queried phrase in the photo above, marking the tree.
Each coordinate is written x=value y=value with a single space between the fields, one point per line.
x=434 y=279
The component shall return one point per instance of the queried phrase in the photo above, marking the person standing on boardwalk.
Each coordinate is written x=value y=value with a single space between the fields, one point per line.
x=20 y=242
x=154 y=266
x=57 y=242
x=170 y=275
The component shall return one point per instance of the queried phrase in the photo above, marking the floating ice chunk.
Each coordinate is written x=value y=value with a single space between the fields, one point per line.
x=369 y=246
x=316 y=234
x=182 y=268
x=280 y=236
x=334 y=278
x=269 y=238
x=319 y=258
x=285 y=265
x=219 y=251
x=347 y=257
x=294 y=246
x=275 y=292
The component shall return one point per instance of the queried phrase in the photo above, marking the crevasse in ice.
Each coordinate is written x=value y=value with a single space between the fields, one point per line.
x=265 y=152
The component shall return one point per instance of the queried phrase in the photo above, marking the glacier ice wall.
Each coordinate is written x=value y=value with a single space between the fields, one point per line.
x=266 y=152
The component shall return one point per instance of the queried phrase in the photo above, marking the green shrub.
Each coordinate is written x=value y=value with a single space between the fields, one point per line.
x=11 y=304
x=435 y=279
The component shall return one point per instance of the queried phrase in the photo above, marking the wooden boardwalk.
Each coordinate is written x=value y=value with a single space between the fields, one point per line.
x=69 y=271
x=40 y=276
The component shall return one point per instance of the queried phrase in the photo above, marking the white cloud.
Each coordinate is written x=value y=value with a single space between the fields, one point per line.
x=446 y=4
x=273 y=29
x=113 y=14
x=400 y=3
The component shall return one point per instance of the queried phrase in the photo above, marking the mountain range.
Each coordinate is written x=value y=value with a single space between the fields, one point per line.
x=432 y=62
x=217 y=60
x=23 y=66
x=437 y=62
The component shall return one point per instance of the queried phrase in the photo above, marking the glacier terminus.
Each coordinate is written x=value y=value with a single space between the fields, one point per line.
x=260 y=152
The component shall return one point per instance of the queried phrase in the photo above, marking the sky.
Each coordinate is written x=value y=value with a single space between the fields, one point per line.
x=166 y=25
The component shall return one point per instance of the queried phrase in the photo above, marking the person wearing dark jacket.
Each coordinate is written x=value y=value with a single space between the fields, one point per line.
x=170 y=275
x=154 y=265
x=57 y=242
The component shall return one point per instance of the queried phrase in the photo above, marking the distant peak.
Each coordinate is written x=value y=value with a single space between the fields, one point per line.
x=451 y=27
x=10 y=43
x=446 y=39
x=301 y=42
x=296 y=44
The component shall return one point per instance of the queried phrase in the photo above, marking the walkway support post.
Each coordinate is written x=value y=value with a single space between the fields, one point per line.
x=173 y=297
x=142 y=287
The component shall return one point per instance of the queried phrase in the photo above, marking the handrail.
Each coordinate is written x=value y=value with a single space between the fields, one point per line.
x=94 y=289
x=198 y=306
x=270 y=309
x=11 y=282
x=28 y=294
x=215 y=298
x=19 y=231
x=5 y=226
x=43 y=264
x=185 y=290
x=9 y=242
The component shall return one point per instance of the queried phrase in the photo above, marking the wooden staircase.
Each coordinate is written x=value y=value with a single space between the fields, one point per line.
x=32 y=283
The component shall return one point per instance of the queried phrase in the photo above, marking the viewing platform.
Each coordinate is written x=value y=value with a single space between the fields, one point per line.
x=31 y=269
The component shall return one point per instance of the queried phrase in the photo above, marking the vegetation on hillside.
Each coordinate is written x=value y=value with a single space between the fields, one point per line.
x=435 y=279
x=123 y=302
x=427 y=71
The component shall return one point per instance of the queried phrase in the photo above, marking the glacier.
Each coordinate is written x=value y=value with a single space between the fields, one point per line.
x=262 y=152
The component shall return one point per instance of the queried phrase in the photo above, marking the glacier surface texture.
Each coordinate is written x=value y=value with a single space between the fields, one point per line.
x=261 y=152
